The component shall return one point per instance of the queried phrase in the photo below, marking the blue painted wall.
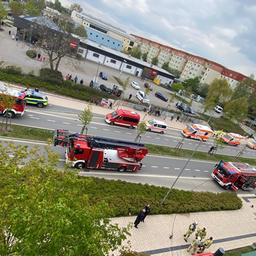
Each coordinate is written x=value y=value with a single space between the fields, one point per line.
x=103 y=39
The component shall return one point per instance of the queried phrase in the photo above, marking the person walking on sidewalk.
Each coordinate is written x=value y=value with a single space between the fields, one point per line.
x=139 y=218
x=205 y=244
x=211 y=150
x=191 y=230
x=196 y=243
x=201 y=233
x=130 y=96
x=147 y=211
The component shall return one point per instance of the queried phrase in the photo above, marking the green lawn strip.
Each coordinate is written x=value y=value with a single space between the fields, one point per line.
x=239 y=251
x=24 y=132
x=186 y=153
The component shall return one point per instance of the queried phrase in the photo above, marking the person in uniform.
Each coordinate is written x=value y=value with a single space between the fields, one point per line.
x=191 y=230
x=196 y=243
x=201 y=233
x=205 y=244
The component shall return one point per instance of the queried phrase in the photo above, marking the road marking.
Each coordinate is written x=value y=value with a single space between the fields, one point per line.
x=30 y=115
x=23 y=141
x=206 y=171
x=176 y=168
x=104 y=129
x=33 y=117
x=117 y=131
x=187 y=169
x=66 y=123
x=50 y=120
x=154 y=166
x=196 y=170
x=92 y=127
x=166 y=167
x=139 y=175
x=129 y=133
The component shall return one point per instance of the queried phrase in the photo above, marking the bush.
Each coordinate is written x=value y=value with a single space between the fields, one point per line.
x=177 y=87
x=31 y=54
x=48 y=75
x=12 y=70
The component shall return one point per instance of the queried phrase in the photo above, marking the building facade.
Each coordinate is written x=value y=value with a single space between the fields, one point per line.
x=103 y=33
x=189 y=65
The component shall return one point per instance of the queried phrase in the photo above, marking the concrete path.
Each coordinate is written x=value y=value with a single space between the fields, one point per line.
x=229 y=229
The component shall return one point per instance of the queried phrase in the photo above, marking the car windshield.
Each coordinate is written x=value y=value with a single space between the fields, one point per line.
x=223 y=171
x=191 y=130
x=228 y=137
x=114 y=114
x=151 y=122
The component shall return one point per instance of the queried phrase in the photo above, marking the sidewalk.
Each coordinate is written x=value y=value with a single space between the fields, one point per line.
x=229 y=229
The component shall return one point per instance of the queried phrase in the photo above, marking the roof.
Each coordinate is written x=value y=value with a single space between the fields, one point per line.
x=43 y=21
x=202 y=127
x=158 y=121
x=240 y=167
x=4 y=89
x=236 y=135
x=128 y=112
x=32 y=91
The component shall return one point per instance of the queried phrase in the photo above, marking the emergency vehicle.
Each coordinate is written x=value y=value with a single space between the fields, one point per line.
x=156 y=126
x=234 y=175
x=123 y=117
x=197 y=131
x=19 y=105
x=219 y=252
x=34 y=97
x=91 y=152
x=232 y=139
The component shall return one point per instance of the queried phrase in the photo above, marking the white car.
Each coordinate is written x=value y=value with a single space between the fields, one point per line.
x=135 y=85
x=140 y=95
x=218 y=109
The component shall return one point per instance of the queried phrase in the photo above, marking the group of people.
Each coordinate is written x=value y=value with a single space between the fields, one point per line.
x=75 y=79
x=200 y=242
x=142 y=215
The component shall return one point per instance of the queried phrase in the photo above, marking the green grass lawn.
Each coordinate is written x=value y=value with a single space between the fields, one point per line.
x=239 y=251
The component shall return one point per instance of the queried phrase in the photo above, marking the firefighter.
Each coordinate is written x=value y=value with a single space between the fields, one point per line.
x=201 y=233
x=196 y=243
x=207 y=243
x=191 y=229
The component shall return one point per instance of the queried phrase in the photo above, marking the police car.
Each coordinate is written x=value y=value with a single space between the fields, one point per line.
x=34 y=97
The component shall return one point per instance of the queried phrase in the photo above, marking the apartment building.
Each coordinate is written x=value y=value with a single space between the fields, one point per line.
x=103 y=33
x=189 y=65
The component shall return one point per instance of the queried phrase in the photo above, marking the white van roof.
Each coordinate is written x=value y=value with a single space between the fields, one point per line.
x=159 y=122
x=202 y=127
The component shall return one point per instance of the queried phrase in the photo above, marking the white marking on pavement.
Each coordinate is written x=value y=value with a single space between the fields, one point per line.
x=154 y=166
x=129 y=133
x=117 y=131
x=176 y=168
x=93 y=127
x=104 y=129
x=206 y=171
x=50 y=120
x=66 y=123
x=33 y=117
x=196 y=170
x=166 y=167
x=23 y=141
x=187 y=169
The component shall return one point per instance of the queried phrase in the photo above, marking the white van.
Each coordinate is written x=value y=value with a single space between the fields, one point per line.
x=218 y=109
x=156 y=126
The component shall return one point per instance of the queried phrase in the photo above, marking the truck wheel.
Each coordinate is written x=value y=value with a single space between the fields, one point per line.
x=80 y=165
x=122 y=169
x=40 y=105
x=9 y=114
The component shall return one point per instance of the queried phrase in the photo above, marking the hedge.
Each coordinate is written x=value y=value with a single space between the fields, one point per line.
x=67 y=88
x=52 y=76
x=31 y=54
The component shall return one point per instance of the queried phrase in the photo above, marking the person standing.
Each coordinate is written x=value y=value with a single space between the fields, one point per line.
x=81 y=82
x=201 y=233
x=130 y=96
x=75 y=79
x=191 y=230
x=147 y=211
x=139 y=218
x=196 y=243
x=210 y=152
x=206 y=244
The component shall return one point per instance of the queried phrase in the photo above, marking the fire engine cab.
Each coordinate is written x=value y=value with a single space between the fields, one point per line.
x=233 y=175
x=92 y=152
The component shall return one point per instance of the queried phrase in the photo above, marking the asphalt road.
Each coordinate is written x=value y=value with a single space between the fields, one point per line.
x=55 y=117
x=156 y=170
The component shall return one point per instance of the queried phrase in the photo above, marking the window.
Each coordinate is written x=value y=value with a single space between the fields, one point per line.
x=96 y=55
x=97 y=36
x=131 y=43
x=129 y=119
x=90 y=33
x=102 y=38
x=108 y=40
x=128 y=66
x=113 y=61
x=80 y=50
x=79 y=151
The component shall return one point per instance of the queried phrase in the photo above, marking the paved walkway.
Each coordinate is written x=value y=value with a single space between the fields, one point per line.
x=230 y=229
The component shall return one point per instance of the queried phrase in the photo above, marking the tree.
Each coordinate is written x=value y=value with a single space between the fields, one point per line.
x=219 y=91
x=16 y=7
x=177 y=87
x=192 y=83
x=154 y=61
x=58 y=6
x=55 y=44
x=236 y=109
x=141 y=129
x=136 y=52
x=6 y=103
x=34 y=7
x=80 y=31
x=3 y=12
x=45 y=211
x=76 y=7
x=85 y=117
x=145 y=56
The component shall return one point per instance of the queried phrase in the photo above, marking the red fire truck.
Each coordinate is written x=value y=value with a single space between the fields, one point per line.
x=19 y=105
x=233 y=175
x=219 y=252
x=92 y=152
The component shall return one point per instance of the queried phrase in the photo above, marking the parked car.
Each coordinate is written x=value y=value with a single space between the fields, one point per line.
x=103 y=75
x=218 y=109
x=116 y=90
x=160 y=96
x=149 y=86
x=135 y=85
x=34 y=97
x=140 y=95
x=185 y=108
x=251 y=143
x=232 y=139
x=104 y=88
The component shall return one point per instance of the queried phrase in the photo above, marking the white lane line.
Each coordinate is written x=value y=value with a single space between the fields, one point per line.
x=129 y=133
x=176 y=168
x=143 y=165
x=65 y=123
x=187 y=169
x=33 y=117
x=166 y=167
x=92 y=127
x=139 y=175
x=196 y=170
x=104 y=129
x=50 y=120
x=117 y=131
x=30 y=115
x=154 y=166
x=206 y=171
